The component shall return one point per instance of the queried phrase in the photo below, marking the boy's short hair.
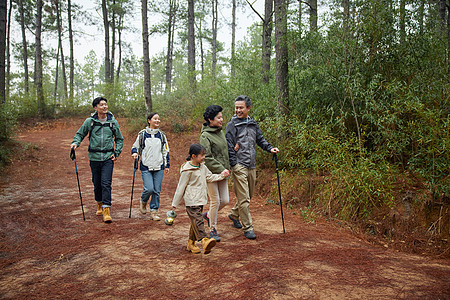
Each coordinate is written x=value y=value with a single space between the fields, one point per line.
x=97 y=101
x=244 y=98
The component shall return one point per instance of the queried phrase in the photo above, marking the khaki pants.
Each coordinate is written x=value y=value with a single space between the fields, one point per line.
x=218 y=198
x=197 y=229
x=244 y=185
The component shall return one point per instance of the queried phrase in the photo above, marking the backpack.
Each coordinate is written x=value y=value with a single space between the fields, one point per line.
x=142 y=143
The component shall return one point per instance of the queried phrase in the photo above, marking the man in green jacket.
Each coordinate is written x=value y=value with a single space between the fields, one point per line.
x=103 y=131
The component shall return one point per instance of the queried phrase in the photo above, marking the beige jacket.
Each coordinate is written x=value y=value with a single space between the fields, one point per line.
x=192 y=185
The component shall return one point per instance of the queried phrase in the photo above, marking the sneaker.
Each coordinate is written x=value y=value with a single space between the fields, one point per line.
x=250 y=235
x=236 y=223
x=154 y=215
x=205 y=216
x=214 y=235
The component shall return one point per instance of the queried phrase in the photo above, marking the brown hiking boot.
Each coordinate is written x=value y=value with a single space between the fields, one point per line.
x=208 y=244
x=155 y=216
x=192 y=247
x=143 y=207
x=106 y=215
x=99 y=211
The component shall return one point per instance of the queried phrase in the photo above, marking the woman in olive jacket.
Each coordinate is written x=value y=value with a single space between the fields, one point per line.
x=216 y=159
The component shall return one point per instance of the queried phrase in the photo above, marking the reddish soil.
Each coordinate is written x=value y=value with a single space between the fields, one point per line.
x=47 y=250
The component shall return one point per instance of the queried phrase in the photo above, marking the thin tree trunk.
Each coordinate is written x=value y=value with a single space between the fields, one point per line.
x=8 y=52
x=191 y=44
x=200 y=40
x=313 y=15
x=71 y=59
x=38 y=61
x=170 y=36
x=448 y=39
x=402 y=22
x=113 y=41
x=147 y=79
x=214 y=38
x=233 y=41
x=106 y=27
x=267 y=40
x=119 y=31
x=63 y=65
x=55 y=90
x=24 y=46
x=281 y=50
x=3 y=20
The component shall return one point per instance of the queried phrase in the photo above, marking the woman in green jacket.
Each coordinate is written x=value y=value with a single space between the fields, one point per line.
x=216 y=159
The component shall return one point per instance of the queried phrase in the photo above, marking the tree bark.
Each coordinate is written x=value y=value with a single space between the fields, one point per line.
x=119 y=32
x=71 y=59
x=55 y=90
x=281 y=55
x=267 y=40
x=170 y=38
x=38 y=61
x=147 y=79
x=106 y=27
x=191 y=44
x=313 y=15
x=113 y=41
x=63 y=65
x=24 y=47
x=3 y=14
x=233 y=40
x=214 y=38
x=8 y=51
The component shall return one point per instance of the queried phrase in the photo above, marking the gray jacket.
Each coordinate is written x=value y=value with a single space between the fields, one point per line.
x=246 y=133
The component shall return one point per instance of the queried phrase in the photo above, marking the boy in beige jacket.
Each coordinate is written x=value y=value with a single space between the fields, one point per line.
x=192 y=187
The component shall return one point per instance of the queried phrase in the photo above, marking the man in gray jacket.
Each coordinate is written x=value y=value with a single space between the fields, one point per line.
x=242 y=133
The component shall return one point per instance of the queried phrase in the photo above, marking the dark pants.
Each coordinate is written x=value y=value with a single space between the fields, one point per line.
x=102 y=178
x=197 y=229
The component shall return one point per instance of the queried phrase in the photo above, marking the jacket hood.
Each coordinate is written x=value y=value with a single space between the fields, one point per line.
x=109 y=116
x=151 y=130
x=187 y=166
x=236 y=120
x=206 y=128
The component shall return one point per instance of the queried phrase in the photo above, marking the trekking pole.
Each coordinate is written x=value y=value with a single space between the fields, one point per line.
x=279 y=189
x=73 y=157
x=132 y=187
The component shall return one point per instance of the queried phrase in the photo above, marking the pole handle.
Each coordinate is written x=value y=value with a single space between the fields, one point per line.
x=72 y=154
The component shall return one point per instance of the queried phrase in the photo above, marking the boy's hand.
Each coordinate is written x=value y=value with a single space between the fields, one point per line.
x=225 y=173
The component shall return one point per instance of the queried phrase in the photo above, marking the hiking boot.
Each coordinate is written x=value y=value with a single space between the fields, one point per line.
x=208 y=244
x=250 y=235
x=236 y=223
x=205 y=216
x=143 y=208
x=192 y=247
x=214 y=235
x=155 y=216
x=106 y=215
x=99 y=211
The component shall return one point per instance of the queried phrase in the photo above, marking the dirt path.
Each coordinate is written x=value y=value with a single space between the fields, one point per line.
x=48 y=251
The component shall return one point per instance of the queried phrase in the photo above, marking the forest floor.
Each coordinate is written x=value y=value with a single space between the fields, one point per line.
x=47 y=251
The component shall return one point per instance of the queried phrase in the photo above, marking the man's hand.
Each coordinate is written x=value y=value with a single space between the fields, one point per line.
x=114 y=158
x=73 y=146
x=274 y=150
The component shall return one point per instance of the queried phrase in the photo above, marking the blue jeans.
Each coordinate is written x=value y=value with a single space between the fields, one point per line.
x=152 y=187
x=102 y=178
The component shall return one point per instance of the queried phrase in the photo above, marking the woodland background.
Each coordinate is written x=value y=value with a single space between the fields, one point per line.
x=359 y=106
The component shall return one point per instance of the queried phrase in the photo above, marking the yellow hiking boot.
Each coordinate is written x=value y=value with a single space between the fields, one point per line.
x=106 y=215
x=208 y=244
x=143 y=207
x=192 y=247
x=99 y=211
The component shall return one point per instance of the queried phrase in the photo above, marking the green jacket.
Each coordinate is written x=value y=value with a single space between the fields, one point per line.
x=216 y=156
x=102 y=137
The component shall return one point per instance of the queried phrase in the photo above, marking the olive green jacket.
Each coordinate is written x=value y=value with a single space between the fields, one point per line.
x=102 y=137
x=216 y=156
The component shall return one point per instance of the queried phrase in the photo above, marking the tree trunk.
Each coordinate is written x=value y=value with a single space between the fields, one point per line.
x=8 y=52
x=170 y=37
x=233 y=40
x=147 y=80
x=281 y=55
x=200 y=40
x=55 y=90
x=3 y=14
x=113 y=41
x=71 y=59
x=63 y=65
x=448 y=39
x=191 y=44
x=214 y=38
x=313 y=15
x=119 y=31
x=38 y=61
x=402 y=22
x=267 y=40
x=24 y=46
x=106 y=27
